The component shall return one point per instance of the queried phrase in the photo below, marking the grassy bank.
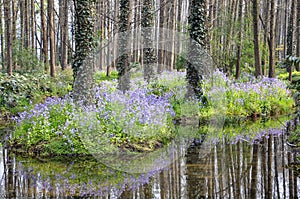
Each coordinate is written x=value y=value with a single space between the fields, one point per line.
x=142 y=119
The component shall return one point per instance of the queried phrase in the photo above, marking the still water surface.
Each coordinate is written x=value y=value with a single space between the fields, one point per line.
x=220 y=170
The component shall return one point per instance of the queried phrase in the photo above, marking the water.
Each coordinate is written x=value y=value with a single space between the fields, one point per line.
x=221 y=170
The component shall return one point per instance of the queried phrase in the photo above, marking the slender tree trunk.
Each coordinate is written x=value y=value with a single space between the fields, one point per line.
x=290 y=37
x=239 y=47
x=7 y=17
x=298 y=34
x=108 y=28
x=64 y=35
x=44 y=36
x=22 y=24
x=116 y=15
x=51 y=30
x=33 y=40
x=255 y=13
x=266 y=26
x=27 y=25
x=161 y=36
x=14 y=31
x=272 y=41
x=2 y=37
x=285 y=28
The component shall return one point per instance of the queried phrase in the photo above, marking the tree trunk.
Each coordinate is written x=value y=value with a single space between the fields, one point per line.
x=51 y=30
x=14 y=31
x=84 y=46
x=7 y=17
x=27 y=25
x=123 y=57
x=33 y=40
x=272 y=41
x=239 y=47
x=161 y=36
x=64 y=34
x=266 y=26
x=44 y=49
x=2 y=37
x=116 y=15
x=298 y=34
x=255 y=13
x=197 y=33
x=290 y=37
x=148 y=52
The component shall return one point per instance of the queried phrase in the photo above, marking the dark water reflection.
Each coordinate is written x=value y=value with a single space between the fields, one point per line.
x=241 y=170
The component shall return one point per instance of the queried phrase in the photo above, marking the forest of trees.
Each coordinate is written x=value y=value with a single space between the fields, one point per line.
x=242 y=35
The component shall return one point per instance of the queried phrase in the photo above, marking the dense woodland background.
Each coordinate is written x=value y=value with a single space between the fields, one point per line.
x=251 y=36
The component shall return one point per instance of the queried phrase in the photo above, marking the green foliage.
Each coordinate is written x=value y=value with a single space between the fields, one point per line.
x=26 y=59
x=247 y=98
x=18 y=90
x=50 y=128
x=100 y=76
x=181 y=61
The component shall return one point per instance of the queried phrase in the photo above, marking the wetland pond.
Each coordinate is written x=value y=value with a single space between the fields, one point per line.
x=195 y=168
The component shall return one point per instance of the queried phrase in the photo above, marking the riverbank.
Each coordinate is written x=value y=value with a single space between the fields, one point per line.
x=142 y=119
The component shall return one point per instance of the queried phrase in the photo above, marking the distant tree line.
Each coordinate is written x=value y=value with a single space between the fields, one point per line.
x=242 y=35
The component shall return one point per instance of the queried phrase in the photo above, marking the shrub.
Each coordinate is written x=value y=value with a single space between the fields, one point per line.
x=19 y=90
x=252 y=97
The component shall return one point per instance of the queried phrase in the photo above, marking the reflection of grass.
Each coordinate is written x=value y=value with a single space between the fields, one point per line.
x=246 y=130
x=78 y=177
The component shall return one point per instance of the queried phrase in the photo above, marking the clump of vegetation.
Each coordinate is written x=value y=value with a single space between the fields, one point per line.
x=21 y=90
x=141 y=119
x=100 y=76
x=137 y=120
x=248 y=97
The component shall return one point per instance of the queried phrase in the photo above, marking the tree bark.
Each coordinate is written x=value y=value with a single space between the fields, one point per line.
x=51 y=30
x=32 y=19
x=149 y=56
x=14 y=31
x=298 y=34
x=2 y=37
x=290 y=37
x=197 y=33
x=44 y=36
x=27 y=25
x=7 y=17
x=84 y=45
x=64 y=34
x=239 y=47
x=272 y=41
x=123 y=57
x=255 y=13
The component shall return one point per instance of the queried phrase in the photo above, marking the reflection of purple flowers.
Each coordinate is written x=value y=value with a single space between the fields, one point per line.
x=80 y=182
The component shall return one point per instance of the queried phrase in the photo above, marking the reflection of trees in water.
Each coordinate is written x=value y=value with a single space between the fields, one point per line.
x=242 y=170
x=197 y=172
